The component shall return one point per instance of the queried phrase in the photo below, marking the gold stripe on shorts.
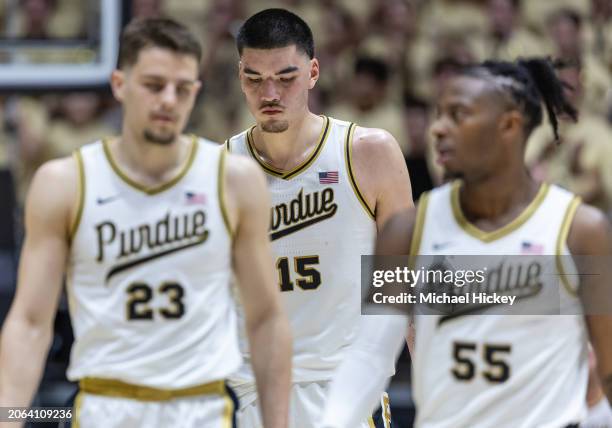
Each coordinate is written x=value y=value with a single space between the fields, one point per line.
x=119 y=389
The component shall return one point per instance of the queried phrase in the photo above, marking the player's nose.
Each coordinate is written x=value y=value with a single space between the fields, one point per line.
x=439 y=128
x=169 y=96
x=269 y=91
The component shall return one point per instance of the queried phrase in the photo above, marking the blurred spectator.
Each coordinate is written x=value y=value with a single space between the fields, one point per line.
x=29 y=117
x=443 y=69
x=367 y=104
x=219 y=105
x=37 y=16
x=53 y=126
x=536 y=13
x=582 y=160
x=336 y=52
x=78 y=122
x=419 y=156
x=599 y=34
x=453 y=16
x=147 y=8
x=565 y=28
x=508 y=38
x=41 y=20
x=46 y=19
x=392 y=33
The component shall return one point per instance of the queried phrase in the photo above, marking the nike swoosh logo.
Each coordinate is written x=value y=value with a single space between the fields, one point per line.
x=124 y=266
x=102 y=201
x=292 y=229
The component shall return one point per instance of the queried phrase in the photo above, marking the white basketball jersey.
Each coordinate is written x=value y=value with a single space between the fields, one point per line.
x=500 y=370
x=320 y=226
x=149 y=272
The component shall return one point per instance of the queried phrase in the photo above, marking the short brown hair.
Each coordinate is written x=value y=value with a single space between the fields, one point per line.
x=155 y=32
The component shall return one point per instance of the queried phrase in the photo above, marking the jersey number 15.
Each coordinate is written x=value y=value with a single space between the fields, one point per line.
x=310 y=278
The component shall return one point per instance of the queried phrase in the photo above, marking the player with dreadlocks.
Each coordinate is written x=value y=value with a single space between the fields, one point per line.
x=483 y=368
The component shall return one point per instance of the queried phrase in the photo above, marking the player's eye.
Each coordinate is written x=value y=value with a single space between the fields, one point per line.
x=183 y=90
x=437 y=111
x=254 y=79
x=154 y=87
x=287 y=79
x=457 y=113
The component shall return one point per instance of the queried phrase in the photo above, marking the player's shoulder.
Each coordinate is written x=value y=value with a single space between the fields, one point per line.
x=241 y=170
x=58 y=173
x=54 y=190
x=375 y=149
x=372 y=138
x=590 y=231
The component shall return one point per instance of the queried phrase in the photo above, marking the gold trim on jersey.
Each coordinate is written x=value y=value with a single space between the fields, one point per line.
x=502 y=231
x=78 y=404
x=119 y=389
x=417 y=233
x=386 y=410
x=160 y=188
x=349 y=167
x=81 y=195
x=226 y=145
x=221 y=193
x=562 y=239
x=286 y=175
x=228 y=410
x=371 y=422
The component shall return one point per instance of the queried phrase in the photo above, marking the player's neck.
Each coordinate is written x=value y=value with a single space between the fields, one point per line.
x=148 y=163
x=500 y=196
x=286 y=150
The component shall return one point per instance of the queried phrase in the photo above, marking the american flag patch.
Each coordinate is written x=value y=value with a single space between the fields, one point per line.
x=531 y=248
x=328 y=177
x=194 y=198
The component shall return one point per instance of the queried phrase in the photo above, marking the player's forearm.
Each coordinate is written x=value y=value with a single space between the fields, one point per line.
x=23 y=349
x=270 y=342
x=364 y=372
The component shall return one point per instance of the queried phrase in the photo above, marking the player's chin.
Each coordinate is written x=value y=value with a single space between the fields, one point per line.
x=450 y=174
x=274 y=125
x=160 y=137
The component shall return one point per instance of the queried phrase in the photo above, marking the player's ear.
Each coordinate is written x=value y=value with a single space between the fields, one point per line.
x=197 y=86
x=240 y=66
x=511 y=124
x=314 y=73
x=117 y=82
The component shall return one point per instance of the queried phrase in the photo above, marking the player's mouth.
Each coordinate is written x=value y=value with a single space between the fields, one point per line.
x=444 y=155
x=163 y=118
x=271 y=111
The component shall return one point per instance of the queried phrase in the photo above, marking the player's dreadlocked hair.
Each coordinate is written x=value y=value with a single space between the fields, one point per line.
x=529 y=82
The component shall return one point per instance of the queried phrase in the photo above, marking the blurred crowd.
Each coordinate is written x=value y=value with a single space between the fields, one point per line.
x=382 y=64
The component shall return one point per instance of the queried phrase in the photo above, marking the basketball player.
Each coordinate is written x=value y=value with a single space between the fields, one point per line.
x=146 y=227
x=333 y=185
x=500 y=370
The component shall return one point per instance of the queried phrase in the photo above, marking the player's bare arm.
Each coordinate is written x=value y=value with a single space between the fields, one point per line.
x=363 y=374
x=381 y=173
x=591 y=234
x=382 y=178
x=266 y=324
x=27 y=332
x=394 y=239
